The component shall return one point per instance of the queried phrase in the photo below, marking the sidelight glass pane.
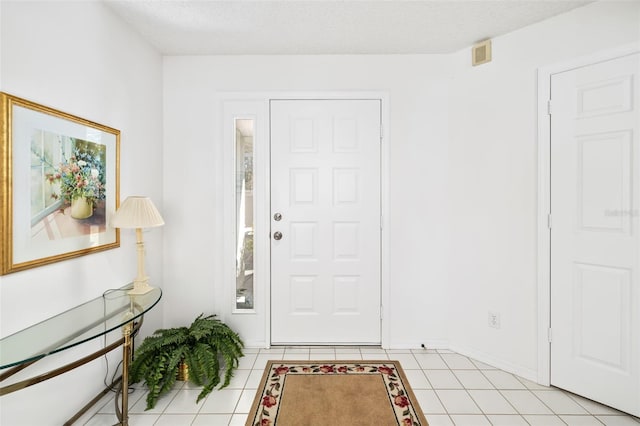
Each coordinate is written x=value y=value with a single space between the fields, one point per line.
x=244 y=213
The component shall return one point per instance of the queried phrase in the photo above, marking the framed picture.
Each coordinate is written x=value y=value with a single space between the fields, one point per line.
x=59 y=177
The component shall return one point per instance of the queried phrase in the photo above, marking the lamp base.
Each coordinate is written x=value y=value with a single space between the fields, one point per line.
x=141 y=286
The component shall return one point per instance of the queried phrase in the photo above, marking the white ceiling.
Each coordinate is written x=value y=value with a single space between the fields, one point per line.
x=212 y=27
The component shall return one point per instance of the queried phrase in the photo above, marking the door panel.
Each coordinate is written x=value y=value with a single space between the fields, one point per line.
x=325 y=184
x=595 y=236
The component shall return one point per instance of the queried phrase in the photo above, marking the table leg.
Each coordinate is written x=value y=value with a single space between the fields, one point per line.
x=126 y=358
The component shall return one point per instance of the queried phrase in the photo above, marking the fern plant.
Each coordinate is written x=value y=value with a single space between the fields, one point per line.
x=207 y=346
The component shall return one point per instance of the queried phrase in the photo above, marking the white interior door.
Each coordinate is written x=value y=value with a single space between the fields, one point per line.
x=595 y=232
x=325 y=227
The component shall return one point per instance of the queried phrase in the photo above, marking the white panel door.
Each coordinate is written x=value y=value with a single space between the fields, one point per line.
x=595 y=233
x=325 y=225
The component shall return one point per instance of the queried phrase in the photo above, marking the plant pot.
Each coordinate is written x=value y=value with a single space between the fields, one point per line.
x=206 y=338
x=183 y=372
x=81 y=208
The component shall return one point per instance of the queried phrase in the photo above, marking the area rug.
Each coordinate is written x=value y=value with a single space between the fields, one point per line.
x=334 y=393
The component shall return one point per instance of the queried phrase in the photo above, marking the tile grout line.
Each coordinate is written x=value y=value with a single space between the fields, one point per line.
x=503 y=396
x=465 y=390
x=446 y=411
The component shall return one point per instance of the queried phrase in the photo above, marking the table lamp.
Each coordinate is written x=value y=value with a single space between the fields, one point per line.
x=138 y=212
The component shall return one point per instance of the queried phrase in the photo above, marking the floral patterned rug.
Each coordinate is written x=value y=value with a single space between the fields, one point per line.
x=328 y=393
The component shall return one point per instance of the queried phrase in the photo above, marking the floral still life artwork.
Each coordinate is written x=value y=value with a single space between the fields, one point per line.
x=60 y=176
x=68 y=187
x=80 y=178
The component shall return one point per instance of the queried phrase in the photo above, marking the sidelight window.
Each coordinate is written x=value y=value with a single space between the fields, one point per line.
x=244 y=198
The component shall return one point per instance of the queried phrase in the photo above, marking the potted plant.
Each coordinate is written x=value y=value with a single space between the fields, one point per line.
x=207 y=347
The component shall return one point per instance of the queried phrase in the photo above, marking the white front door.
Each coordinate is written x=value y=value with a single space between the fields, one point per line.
x=325 y=224
x=595 y=232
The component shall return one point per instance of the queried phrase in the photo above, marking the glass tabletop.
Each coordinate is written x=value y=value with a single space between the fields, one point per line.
x=87 y=321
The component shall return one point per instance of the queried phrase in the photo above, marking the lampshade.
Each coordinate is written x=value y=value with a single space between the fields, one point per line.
x=137 y=212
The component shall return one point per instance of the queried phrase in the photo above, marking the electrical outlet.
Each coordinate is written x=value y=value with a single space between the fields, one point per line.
x=493 y=319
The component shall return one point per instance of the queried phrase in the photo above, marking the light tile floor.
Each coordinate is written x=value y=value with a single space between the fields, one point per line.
x=451 y=390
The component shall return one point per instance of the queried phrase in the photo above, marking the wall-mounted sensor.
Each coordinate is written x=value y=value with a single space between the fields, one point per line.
x=481 y=53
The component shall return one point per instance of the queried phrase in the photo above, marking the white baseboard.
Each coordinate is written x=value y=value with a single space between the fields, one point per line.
x=518 y=370
x=255 y=344
x=428 y=344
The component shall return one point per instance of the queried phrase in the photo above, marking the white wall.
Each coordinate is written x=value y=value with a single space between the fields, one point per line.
x=493 y=177
x=80 y=58
x=417 y=87
x=462 y=177
x=462 y=169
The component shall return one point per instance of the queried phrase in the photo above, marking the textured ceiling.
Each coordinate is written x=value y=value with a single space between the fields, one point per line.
x=190 y=27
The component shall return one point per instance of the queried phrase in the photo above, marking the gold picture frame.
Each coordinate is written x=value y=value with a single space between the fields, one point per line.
x=60 y=183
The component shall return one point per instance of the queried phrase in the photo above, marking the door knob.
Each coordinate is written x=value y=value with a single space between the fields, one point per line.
x=277 y=217
x=277 y=235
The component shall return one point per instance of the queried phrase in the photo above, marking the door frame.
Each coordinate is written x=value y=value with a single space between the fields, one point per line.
x=544 y=195
x=256 y=105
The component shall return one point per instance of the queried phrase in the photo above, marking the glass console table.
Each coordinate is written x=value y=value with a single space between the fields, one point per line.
x=113 y=310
